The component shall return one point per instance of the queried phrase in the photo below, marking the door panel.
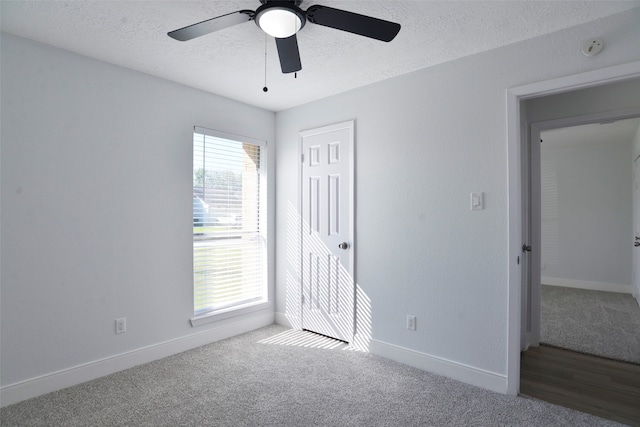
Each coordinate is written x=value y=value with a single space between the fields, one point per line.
x=531 y=237
x=327 y=209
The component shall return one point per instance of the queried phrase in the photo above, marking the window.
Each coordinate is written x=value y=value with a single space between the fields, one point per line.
x=229 y=233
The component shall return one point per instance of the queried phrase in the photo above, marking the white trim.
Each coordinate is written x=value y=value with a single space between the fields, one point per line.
x=285 y=320
x=229 y=136
x=514 y=96
x=573 y=82
x=440 y=366
x=237 y=310
x=586 y=284
x=47 y=383
x=514 y=180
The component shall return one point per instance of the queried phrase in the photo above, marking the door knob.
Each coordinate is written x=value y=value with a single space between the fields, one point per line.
x=343 y=245
x=526 y=248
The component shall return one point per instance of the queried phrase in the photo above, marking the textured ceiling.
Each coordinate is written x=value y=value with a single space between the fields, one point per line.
x=231 y=62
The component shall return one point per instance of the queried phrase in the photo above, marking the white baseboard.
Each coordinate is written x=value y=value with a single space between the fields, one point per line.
x=288 y=321
x=282 y=319
x=457 y=371
x=47 y=383
x=585 y=284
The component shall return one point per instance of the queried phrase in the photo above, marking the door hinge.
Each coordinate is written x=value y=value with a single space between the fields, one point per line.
x=302 y=299
x=302 y=158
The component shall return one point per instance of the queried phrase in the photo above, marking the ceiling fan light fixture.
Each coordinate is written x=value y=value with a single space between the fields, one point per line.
x=280 y=21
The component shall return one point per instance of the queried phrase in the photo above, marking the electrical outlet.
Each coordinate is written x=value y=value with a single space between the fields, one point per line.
x=411 y=322
x=121 y=325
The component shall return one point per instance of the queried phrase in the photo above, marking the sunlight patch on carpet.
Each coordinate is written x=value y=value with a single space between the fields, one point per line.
x=308 y=339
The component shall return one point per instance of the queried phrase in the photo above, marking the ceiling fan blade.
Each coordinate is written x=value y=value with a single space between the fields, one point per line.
x=289 y=54
x=367 y=26
x=211 y=25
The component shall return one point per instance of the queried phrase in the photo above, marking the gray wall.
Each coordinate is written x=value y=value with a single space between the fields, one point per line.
x=96 y=206
x=612 y=97
x=587 y=186
x=424 y=141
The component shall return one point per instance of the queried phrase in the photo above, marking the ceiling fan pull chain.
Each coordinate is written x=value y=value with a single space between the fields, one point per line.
x=265 y=88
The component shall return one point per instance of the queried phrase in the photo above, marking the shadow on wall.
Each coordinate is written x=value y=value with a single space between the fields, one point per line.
x=333 y=305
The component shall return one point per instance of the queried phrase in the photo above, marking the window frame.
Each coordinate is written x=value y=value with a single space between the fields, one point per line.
x=239 y=309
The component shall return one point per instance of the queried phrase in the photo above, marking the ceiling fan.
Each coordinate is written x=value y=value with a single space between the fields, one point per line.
x=282 y=19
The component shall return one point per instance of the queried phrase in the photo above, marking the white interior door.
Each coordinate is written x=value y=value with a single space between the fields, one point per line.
x=524 y=258
x=636 y=229
x=531 y=237
x=327 y=231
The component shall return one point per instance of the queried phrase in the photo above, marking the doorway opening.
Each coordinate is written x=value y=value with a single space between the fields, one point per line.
x=570 y=102
x=520 y=116
x=584 y=229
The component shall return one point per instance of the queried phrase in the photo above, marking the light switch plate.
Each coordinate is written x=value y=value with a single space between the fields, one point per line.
x=411 y=322
x=477 y=201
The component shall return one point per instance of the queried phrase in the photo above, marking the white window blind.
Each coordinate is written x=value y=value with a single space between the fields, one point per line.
x=229 y=218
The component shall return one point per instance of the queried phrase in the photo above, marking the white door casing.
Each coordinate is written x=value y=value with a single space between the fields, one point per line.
x=327 y=235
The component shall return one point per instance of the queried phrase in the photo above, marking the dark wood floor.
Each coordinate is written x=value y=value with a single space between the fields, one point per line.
x=602 y=387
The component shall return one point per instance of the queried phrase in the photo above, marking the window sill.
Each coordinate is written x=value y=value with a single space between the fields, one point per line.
x=229 y=312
